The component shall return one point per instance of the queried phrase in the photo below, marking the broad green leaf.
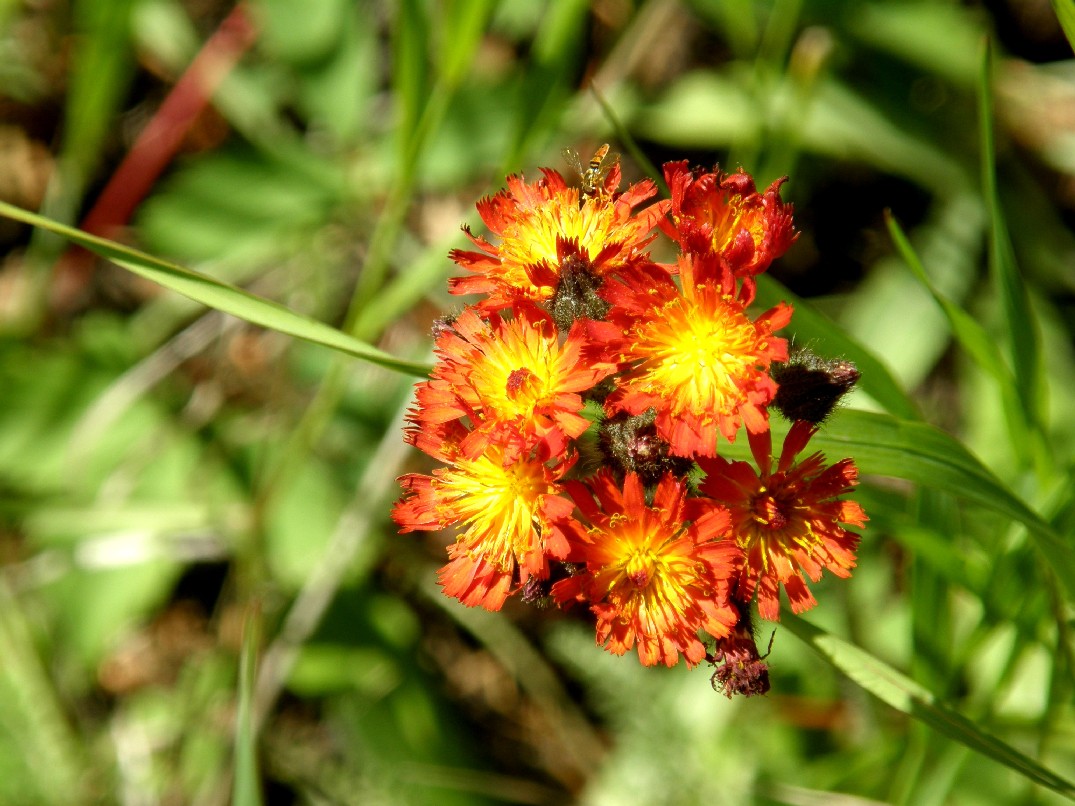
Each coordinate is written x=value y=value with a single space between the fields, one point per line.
x=908 y=697
x=824 y=336
x=1065 y=12
x=940 y=38
x=916 y=451
x=6 y=8
x=700 y=109
x=218 y=295
x=302 y=33
x=707 y=109
x=736 y=20
x=338 y=93
x=237 y=200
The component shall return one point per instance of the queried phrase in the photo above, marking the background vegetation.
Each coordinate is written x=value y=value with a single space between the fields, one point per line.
x=201 y=595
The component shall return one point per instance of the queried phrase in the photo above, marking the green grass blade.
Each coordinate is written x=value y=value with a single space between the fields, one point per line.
x=547 y=80
x=972 y=336
x=218 y=295
x=908 y=697
x=405 y=289
x=919 y=452
x=1019 y=319
x=247 y=786
x=628 y=142
x=31 y=712
x=100 y=69
x=410 y=76
x=463 y=24
x=821 y=334
x=1065 y=12
x=103 y=66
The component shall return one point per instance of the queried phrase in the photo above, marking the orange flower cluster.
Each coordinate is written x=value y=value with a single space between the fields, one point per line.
x=583 y=352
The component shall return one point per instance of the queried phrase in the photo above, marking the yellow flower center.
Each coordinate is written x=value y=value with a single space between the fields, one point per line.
x=519 y=372
x=645 y=578
x=698 y=358
x=531 y=238
x=498 y=505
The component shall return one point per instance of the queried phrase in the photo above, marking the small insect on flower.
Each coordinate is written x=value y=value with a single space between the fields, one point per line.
x=591 y=175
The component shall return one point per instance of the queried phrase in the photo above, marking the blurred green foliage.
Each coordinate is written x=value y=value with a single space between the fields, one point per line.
x=174 y=479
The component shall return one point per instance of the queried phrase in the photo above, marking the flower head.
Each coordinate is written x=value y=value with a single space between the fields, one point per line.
x=694 y=356
x=508 y=515
x=787 y=520
x=513 y=379
x=543 y=225
x=654 y=574
x=723 y=214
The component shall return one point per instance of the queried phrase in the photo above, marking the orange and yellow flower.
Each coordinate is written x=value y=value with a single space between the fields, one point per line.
x=508 y=514
x=787 y=520
x=694 y=356
x=654 y=575
x=542 y=225
x=574 y=313
x=723 y=214
x=513 y=380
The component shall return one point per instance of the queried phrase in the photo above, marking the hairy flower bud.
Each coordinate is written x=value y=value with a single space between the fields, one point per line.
x=811 y=387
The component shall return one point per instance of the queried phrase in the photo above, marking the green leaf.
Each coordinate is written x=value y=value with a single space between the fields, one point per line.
x=887 y=446
x=218 y=295
x=940 y=38
x=1065 y=12
x=826 y=338
x=908 y=697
